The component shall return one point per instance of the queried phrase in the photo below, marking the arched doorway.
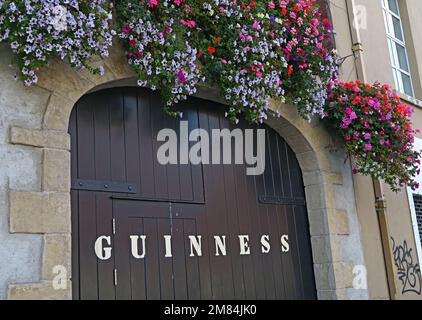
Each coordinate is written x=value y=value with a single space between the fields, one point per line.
x=250 y=234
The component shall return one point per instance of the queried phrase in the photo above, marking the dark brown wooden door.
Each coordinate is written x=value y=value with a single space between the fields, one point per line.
x=119 y=189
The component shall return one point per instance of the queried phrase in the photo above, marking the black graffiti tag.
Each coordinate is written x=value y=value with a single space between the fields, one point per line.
x=409 y=273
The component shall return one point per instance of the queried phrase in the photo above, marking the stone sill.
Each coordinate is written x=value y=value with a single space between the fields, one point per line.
x=410 y=100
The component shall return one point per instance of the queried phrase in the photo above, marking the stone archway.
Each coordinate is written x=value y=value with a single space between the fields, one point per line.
x=327 y=179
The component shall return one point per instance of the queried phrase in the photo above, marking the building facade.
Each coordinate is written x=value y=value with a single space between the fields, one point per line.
x=66 y=166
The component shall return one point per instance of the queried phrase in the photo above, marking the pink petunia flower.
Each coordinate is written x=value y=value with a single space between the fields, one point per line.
x=126 y=29
x=152 y=3
x=181 y=76
x=190 y=24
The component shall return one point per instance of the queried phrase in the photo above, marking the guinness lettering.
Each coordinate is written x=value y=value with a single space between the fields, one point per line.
x=103 y=248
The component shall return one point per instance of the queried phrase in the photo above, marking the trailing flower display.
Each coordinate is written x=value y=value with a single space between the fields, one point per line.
x=376 y=129
x=263 y=50
x=158 y=37
x=39 y=30
x=254 y=51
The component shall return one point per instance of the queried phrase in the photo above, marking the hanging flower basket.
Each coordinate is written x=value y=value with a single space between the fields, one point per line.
x=376 y=130
x=253 y=51
x=40 y=30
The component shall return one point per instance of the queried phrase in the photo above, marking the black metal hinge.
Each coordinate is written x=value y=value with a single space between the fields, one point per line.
x=104 y=186
x=275 y=200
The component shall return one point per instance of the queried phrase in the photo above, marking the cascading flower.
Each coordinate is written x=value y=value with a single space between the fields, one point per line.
x=267 y=51
x=254 y=51
x=40 y=30
x=159 y=47
x=376 y=129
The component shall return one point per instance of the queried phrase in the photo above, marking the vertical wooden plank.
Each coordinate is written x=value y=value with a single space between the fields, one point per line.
x=255 y=225
x=173 y=179
x=304 y=253
x=273 y=212
x=117 y=136
x=87 y=205
x=275 y=162
x=264 y=186
x=192 y=263
x=185 y=170
x=204 y=262
x=197 y=171
x=231 y=213
x=121 y=251
x=284 y=168
x=160 y=171
x=85 y=132
x=104 y=209
x=137 y=266
x=75 y=245
x=130 y=105
x=290 y=283
x=74 y=204
x=166 y=264
x=295 y=174
x=104 y=212
x=73 y=131
x=152 y=262
x=245 y=228
x=221 y=269
x=146 y=153
x=87 y=237
x=101 y=127
x=179 y=262
x=294 y=252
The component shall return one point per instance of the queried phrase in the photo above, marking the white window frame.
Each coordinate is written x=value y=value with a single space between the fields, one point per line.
x=410 y=193
x=393 y=41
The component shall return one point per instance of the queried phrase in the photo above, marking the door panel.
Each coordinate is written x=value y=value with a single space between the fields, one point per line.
x=114 y=140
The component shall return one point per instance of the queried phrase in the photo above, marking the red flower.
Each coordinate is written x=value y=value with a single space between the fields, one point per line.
x=296 y=8
x=290 y=71
x=284 y=11
x=199 y=53
x=132 y=42
x=211 y=49
x=217 y=40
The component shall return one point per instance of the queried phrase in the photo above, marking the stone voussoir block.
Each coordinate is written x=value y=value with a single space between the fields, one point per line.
x=338 y=222
x=56 y=170
x=61 y=78
x=40 y=291
x=343 y=272
x=40 y=138
x=324 y=276
x=58 y=112
x=39 y=212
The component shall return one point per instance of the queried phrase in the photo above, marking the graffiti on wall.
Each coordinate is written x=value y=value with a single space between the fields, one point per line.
x=408 y=270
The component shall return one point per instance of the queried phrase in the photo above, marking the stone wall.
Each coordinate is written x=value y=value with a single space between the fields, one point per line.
x=20 y=169
x=35 y=184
